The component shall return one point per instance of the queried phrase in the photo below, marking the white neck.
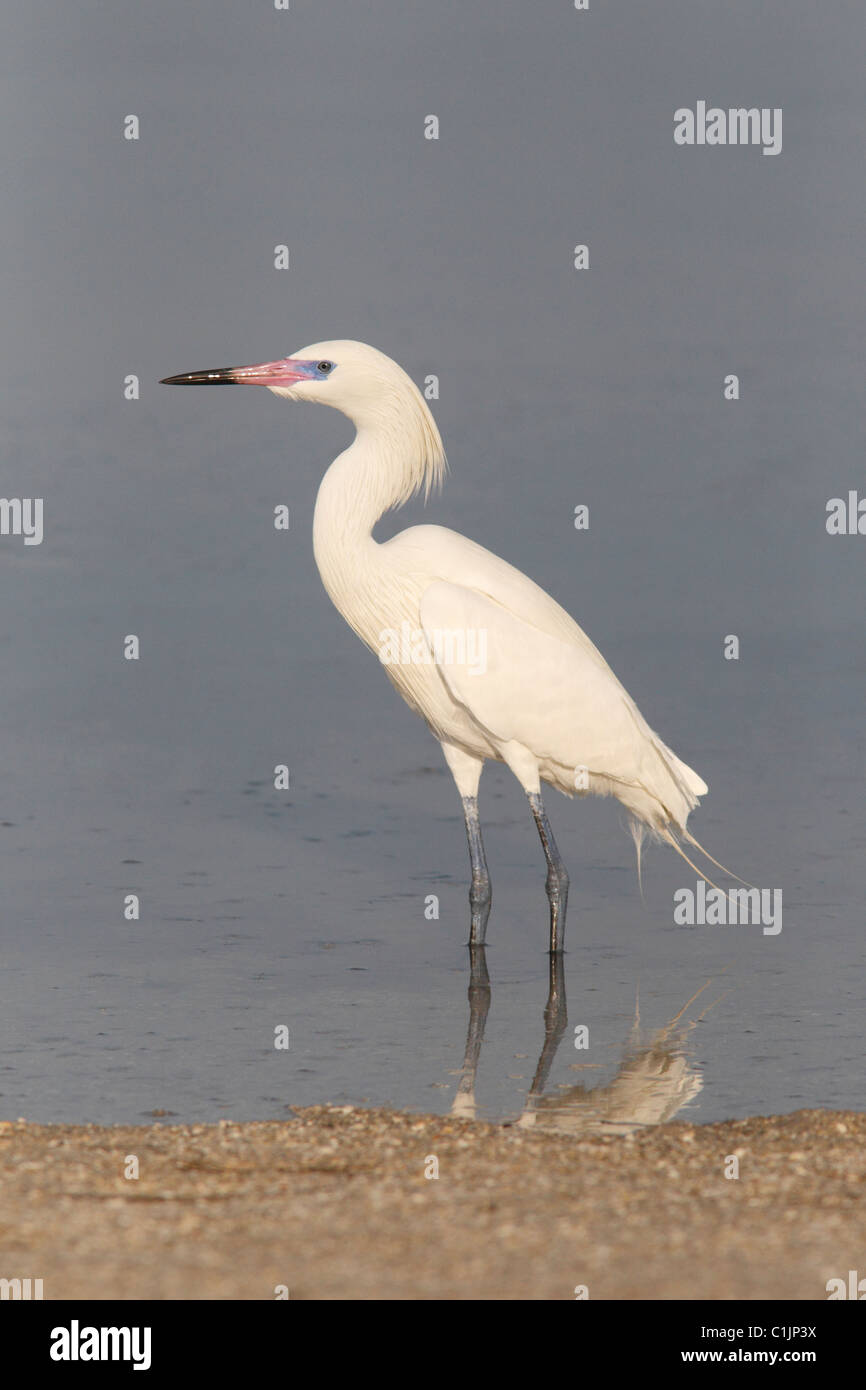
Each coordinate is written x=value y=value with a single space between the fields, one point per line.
x=396 y=452
x=354 y=493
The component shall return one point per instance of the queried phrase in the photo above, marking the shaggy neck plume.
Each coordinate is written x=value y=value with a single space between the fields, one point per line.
x=396 y=453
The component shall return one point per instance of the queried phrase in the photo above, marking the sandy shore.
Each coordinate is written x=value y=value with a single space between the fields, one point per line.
x=335 y=1204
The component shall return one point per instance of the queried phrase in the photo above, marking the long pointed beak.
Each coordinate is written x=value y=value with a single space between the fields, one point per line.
x=281 y=373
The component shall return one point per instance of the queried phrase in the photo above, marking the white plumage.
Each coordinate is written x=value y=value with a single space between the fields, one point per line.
x=543 y=700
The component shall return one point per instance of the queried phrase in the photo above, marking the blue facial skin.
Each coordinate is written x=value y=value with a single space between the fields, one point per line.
x=311 y=371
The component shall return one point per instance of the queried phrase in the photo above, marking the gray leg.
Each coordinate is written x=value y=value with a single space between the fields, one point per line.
x=480 y=896
x=557 y=878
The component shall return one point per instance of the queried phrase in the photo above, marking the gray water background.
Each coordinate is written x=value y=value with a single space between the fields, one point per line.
x=558 y=387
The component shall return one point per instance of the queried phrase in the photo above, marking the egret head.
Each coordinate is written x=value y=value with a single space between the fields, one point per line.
x=350 y=376
x=371 y=389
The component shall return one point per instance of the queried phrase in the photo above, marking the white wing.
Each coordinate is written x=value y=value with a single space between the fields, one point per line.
x=556 y=698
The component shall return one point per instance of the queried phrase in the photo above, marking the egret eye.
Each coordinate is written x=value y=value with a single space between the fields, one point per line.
x=324 y=366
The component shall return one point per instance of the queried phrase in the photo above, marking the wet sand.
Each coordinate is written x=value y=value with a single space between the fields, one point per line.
x=335 y=1204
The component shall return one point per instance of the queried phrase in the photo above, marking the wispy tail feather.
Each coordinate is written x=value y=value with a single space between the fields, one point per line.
x=666 y=835
x=659 y=804
x=663 y=812
x=692 y=841
x=637 y=830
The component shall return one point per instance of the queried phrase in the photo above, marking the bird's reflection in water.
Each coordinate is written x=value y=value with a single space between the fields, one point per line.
x=656 y=1076
x=479 y=1004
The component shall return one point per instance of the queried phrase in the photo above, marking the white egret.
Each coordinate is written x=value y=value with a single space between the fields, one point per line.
x=491 y=662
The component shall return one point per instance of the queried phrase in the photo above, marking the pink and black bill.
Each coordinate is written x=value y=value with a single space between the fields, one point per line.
x=284 y=372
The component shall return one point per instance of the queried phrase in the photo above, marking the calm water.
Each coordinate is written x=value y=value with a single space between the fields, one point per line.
x=603 y=387
x=306 y=908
